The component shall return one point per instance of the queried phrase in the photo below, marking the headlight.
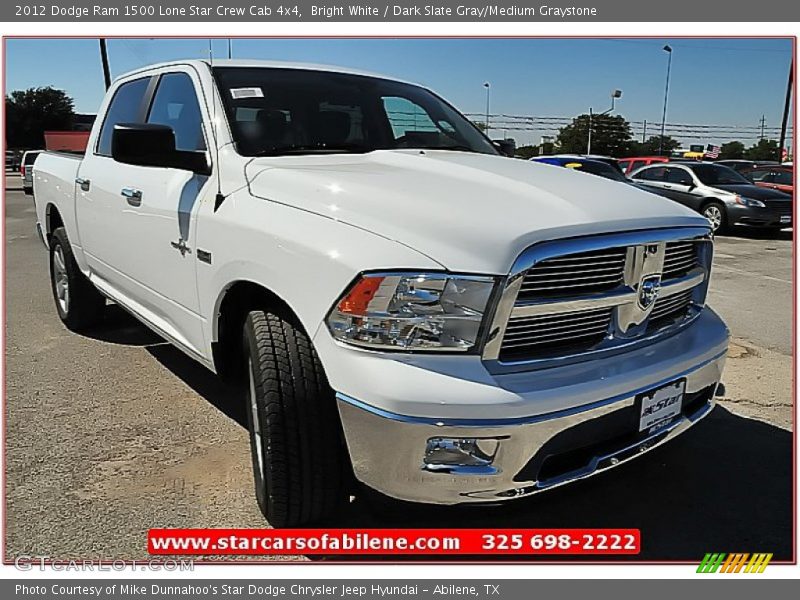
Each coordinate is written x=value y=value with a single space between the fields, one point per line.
x=750 y=202
x=417 y=311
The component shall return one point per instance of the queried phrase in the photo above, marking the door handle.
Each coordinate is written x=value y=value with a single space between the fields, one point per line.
x=84 y=184
x=667 y=186
x=133 y=196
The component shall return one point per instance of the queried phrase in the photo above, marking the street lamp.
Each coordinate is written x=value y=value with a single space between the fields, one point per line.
x=487 y=86
x=668 y=50
x=614 y=95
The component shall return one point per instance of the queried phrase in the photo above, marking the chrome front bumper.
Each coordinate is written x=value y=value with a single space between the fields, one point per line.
x=529 y=455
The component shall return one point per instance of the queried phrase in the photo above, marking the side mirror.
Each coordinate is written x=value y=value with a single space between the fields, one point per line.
x=506 y=147
x=151 y=145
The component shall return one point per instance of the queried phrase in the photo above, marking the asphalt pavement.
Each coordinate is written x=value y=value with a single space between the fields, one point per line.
x=111 y=433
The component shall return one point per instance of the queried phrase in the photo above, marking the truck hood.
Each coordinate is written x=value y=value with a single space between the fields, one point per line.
x=469 y=212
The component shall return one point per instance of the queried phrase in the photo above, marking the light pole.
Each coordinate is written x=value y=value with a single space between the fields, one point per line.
x=668 y=50
x=614 y=95
x=487 y=86
x=104 y=60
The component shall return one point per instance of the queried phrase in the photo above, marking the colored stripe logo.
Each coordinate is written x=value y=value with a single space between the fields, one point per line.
x=716 y=562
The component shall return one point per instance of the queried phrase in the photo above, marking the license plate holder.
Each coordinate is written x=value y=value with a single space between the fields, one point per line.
x=659 y=406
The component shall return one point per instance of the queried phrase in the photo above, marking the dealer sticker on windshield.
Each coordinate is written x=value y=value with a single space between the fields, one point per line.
x=247 y=92
x=661 y=405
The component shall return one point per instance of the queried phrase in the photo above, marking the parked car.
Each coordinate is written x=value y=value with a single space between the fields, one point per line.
x=596 y=157
x=630 y=164
x=396 y=300
x=740 y=164
x=12 y=160
x=26 y=170
x=776 y=177
x=594 y=167
x=719 y=193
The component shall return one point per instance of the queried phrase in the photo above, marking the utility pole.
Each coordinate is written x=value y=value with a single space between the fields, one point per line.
x=644 y=131
x=763 y=122
x=104 y=59
x=786 y=106
x=230 y=48
x=589 y=143
x=487 y=86
x=668 y=50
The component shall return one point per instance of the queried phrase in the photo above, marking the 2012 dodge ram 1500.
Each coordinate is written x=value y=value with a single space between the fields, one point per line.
x=399 y=301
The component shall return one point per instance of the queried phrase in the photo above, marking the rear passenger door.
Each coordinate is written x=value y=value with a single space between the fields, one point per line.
x=652 y=178
x=679 y=186
x=148 y=252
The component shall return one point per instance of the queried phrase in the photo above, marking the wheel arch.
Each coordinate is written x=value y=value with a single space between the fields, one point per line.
x=232 y=305
x=53 y=219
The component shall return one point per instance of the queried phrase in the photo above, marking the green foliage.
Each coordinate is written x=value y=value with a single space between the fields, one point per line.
x=527 y=152
x=734 y=149
x=611 y=135
x=31 y=112
x=651 y=146
x=764 y=149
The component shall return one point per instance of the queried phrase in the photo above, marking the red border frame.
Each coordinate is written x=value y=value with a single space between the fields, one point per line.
x=794 y=40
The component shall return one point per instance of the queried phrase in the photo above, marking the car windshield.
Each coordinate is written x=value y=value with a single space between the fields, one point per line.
x=595 y=167
x=297 y=111
x=718 y=175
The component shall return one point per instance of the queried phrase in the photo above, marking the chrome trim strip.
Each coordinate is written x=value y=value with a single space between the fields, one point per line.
x=449 y=422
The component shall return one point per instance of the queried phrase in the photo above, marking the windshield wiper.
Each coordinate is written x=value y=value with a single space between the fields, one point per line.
x=290 y=150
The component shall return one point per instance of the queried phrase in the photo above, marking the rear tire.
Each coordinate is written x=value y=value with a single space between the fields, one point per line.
x=296 y=441
x=80 y=306
x=717 y=216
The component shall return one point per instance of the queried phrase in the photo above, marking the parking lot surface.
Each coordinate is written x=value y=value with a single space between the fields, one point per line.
x=115 y=432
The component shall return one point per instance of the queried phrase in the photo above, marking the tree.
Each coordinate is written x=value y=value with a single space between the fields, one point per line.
x=480 y=125
x=527 y=152
x=734 y=149
x=763 y=150
x=31 y=112
x=611 y=135
x=653 y=145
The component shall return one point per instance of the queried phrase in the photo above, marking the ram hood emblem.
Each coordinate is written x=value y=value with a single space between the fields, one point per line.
x=649 y=288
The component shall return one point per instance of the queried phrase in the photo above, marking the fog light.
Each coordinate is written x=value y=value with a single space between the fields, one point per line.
x=465 y=454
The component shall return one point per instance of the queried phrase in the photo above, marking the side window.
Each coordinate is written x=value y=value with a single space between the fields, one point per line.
x=175 y=104
x=638 y=163
x=623 y=164
x=783 y=178
x=763 y=175
x=652 y=174
x=125 y=107
x=678 y=176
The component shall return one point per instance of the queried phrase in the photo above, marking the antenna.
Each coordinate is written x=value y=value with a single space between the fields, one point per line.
x=219 y=198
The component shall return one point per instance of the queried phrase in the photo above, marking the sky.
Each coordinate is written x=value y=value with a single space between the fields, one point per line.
x=731 y=82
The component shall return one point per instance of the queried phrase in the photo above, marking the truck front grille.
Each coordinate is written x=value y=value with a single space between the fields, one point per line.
x=559 y=332
x=669 y=308
x=579 y=273
x=679 y=259
x=570 y=300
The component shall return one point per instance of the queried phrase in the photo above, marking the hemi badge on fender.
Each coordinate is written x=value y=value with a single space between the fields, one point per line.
x=204 y=256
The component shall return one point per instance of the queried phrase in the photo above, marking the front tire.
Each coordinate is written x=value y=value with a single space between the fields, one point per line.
x=716 y=215
x=296 y=442
x=80 y=306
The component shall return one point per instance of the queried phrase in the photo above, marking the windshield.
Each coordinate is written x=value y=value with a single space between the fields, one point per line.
x=295 y=111
x=718 y=175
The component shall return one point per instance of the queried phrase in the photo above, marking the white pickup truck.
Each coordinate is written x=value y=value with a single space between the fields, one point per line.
x=401 y=304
